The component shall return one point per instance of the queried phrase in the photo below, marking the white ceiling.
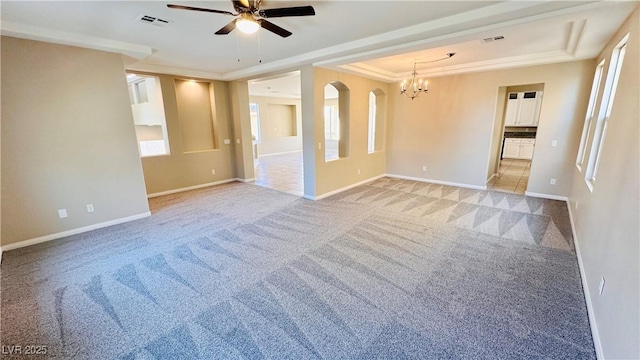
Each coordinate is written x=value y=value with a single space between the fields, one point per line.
x=377 y=39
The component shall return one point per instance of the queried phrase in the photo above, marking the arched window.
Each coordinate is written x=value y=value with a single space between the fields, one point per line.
x=377 y=111
x=336 y=121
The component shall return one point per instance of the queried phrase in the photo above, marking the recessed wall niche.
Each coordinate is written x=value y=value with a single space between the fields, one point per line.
x=196 y=111
x=282 y=120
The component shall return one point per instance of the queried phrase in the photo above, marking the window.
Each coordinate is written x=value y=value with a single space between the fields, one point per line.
x=336 y=121
x=138 y=92
x=376 y=121
x=149 y=119
x=606 y=105
x=254 y=112
x=331 y=123
x=591 y=108
x=372 y=123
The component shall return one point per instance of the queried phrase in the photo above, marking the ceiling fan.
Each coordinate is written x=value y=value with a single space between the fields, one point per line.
x=250 y=17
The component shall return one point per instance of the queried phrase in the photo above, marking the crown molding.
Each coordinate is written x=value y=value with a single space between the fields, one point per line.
x=162 y=69
x=29 y=32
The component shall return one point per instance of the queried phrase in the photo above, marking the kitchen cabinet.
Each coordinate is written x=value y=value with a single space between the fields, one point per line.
x=523 y=108
x=518 y=148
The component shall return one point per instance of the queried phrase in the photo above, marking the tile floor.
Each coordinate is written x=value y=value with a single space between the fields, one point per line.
x=513 y=176
x=283 y=172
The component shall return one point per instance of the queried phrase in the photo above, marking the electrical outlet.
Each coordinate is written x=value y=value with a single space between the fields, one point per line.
x=554 y=143
x=62 y=213
x=552 y=181
x=319 y=146
x=90 y=208
x=358 y=171
x=237 y=141
x=227 y=141
x=601 y=286
x=424 y=167
x=213 y=171
x=576 y=206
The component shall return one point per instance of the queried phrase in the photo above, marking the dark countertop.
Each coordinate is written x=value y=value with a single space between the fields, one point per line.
x=524 y=135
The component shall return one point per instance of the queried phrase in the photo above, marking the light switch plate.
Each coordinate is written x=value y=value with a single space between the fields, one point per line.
x=227 y=141
x=62 y=213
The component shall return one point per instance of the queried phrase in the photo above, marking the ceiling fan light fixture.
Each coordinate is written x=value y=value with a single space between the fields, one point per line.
x=247 y=24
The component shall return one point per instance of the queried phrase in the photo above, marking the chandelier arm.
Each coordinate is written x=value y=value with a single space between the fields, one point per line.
x=416 y=89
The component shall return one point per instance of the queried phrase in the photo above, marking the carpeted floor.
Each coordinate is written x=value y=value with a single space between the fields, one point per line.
x=391 y=270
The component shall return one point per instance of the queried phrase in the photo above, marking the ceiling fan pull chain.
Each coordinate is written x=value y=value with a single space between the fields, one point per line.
x=259 y=50
x=237 y=47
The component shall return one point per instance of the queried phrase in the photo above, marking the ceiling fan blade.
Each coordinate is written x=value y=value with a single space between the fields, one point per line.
x=274 y=28
x=227 y=28
x=241 y=5
x=182 y=7
x=290 y=11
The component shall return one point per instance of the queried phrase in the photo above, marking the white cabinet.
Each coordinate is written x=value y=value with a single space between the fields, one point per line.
x=526 y=148
x=523 y=108
x=518 y=148
x=511 y=148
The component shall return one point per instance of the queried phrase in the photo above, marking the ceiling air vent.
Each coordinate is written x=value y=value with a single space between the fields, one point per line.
x=492 y=39
x=146 y=19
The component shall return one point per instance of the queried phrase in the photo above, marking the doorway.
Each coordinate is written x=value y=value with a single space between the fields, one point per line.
x=517 y=117
x=276 y=128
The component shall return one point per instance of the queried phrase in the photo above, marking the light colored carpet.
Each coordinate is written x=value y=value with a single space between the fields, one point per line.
x=393 y=269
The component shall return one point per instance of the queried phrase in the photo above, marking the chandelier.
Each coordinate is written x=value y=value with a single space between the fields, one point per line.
x=417 y=86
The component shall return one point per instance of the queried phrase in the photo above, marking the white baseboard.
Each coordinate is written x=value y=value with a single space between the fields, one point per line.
x=79 y=230
x=546 y=196
x=200 y=186
x=439 y=182
x=585 y=287
x=327 y=194
x=245 y=180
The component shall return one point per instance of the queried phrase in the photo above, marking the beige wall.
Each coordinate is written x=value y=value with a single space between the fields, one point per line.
x=241 y=120
x=498 y=131
x=607 y=219
x=336 y=174
x=450 y=129
x=68 y=140
x=274 y=145
x=184 y=167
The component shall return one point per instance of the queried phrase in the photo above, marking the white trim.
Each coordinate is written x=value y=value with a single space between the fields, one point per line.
x=79 y=230
x=492 y=176
x=29 y=32
x=439 y=182
x=585 y=286
x=460 y=25
x=163 y=69
x=327 y=194
x=245 y=180
x=200 y=186
x=546 y=196
x=0 y=255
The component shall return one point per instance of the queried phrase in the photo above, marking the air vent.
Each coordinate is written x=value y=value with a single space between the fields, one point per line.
x=492 y=39
x=146 y=19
